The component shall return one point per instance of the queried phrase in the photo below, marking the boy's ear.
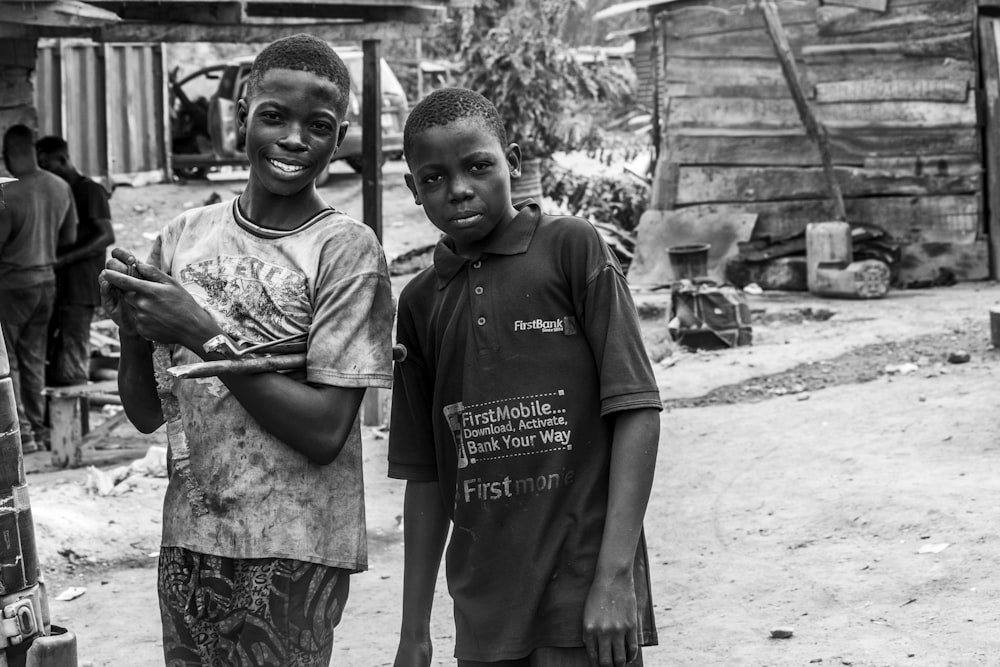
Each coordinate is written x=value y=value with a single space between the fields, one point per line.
x=408 y=178
x=341 y=133
x=242 y=111
x=513 y=155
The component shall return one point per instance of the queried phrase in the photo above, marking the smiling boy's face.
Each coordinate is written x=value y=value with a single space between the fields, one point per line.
x=292 y=129
x=460 y=173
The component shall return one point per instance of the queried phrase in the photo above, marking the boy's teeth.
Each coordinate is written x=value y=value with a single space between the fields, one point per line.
x=290 y=168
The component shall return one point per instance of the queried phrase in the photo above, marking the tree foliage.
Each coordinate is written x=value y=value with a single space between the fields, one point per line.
x=511 y=52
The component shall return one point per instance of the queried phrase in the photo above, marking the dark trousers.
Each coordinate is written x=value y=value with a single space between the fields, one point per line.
x=69 y=344
x=24 y=319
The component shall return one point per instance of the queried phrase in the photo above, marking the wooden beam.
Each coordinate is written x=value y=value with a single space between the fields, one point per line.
x=57 y=13
x=871 y=5
x=956 y=45
x=793 y=148
x=319 y=10
x=260 y=32
x=814 y=129
x=711 y=113
x=940 y=90
x=700 y=185
x=900 y=22
x=206 y=12
x=19 y=30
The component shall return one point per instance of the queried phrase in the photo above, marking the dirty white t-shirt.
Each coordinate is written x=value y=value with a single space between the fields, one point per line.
x=264 y=499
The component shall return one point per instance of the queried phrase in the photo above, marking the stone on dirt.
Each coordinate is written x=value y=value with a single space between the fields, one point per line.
x=958 y=357
x=782 y=633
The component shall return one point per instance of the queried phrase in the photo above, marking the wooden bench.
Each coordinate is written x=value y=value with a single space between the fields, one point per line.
x=69 y=408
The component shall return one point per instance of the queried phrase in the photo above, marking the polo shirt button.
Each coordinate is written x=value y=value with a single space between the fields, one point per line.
x=477 y=264
x=481 y=321
x=479 y=290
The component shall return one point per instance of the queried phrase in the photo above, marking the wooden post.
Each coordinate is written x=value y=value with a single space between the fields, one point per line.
x=67 y=436
x=989 y=57
x=995 y=326
x=371 y=135
x=371 y=176
x=815 y=130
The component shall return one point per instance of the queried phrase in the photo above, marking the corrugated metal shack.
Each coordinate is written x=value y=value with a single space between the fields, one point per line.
x=897 y=83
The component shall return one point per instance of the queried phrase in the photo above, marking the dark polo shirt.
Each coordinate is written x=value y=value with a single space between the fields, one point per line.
x=516 y=363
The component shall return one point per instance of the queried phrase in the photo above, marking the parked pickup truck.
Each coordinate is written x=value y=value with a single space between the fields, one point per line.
x=203 y=116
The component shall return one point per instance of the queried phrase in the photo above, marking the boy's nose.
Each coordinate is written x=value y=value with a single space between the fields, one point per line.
x=460 y=189
x=293 y=139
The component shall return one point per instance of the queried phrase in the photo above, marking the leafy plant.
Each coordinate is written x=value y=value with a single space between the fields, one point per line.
x=512 y=54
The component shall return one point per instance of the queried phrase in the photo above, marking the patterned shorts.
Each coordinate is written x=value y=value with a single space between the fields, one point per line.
x=230 y=612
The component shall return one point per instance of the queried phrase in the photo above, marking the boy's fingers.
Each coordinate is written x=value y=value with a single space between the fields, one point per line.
x=125 y=282
x=590 y=642
x=632 y=645
x=151 y=273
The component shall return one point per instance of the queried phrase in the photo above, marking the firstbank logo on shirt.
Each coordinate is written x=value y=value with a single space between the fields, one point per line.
x=564 y=325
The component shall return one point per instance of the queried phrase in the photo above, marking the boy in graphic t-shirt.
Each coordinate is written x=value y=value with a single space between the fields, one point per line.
x=525 y=413
x=263 y=519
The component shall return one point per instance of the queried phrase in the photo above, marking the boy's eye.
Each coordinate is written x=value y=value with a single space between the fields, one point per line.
x=270 y=115
x=479 y=166
x=322 y=127
x=432 y=178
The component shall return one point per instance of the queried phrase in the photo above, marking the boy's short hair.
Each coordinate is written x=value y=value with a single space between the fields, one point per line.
x=52 y=144
x=307 y=54
x=448 y=105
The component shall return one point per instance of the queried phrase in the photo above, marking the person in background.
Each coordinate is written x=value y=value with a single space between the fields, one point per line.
x=77 y=267
x=39 y=219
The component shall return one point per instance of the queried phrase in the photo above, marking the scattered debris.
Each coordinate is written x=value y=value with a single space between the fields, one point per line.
x=958 y=357
x=782 y=633
x=116 y=482
x=71 y=593
x=901 y=369
x=933 y=548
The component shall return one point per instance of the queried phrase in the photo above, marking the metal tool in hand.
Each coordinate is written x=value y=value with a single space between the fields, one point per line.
x=283 y=354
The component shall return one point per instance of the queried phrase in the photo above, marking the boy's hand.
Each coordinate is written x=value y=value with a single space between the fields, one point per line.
x=610 y=622
x=159 y=308
x=412 y=653
x=112 y=298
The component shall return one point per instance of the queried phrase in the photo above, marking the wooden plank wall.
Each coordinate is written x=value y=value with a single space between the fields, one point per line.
x=894 y=82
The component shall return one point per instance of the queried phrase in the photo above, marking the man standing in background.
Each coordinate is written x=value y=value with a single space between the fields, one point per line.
x=39 y=218
x=77 y=267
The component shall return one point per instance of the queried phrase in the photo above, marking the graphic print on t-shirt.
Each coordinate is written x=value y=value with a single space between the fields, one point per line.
x=253 y=297
x=498 y=434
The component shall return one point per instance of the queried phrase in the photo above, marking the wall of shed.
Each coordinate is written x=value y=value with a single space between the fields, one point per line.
x=107 y=100
x=896 y=89
x=17 y=62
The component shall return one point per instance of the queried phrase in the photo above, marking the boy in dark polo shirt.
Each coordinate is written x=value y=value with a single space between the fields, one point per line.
x=525 y=412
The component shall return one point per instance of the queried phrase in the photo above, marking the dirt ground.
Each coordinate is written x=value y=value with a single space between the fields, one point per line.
x=837 y=477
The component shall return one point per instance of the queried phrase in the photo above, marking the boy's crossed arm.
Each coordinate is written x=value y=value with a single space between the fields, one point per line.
x=315 y=420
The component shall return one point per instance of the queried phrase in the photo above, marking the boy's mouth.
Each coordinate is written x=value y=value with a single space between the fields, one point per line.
x=285 y=166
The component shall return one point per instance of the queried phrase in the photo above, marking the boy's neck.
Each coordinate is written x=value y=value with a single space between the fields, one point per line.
x=282 y=213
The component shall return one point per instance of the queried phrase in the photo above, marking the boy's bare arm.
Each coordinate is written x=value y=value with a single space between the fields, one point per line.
x=425 y=530
x=314 y=420
x=610 y=622
x=136 y=382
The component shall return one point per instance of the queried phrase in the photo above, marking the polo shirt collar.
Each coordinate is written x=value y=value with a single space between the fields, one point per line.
x=513 y=239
